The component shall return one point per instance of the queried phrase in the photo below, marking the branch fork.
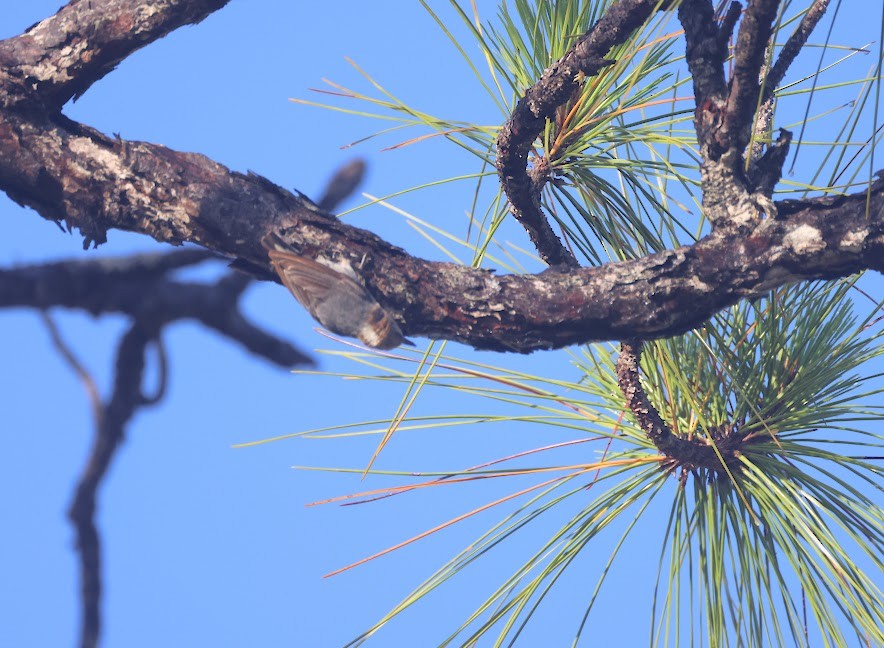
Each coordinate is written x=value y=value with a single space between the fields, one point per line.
x=71 y=173
x=738 y=175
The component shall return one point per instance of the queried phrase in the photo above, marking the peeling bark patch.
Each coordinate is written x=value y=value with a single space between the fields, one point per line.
x=853 y=241
x=85 y=147
x=698 y=285
x=804 y=239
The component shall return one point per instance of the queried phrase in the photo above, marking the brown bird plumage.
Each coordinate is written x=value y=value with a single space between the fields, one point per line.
x=338 y=302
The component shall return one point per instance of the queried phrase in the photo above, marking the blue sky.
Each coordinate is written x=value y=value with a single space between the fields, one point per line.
x=205 y=544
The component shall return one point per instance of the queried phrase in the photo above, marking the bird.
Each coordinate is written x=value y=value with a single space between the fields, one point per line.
x=336 y=300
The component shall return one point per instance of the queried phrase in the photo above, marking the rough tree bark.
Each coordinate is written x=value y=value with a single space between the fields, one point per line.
x=71 y=174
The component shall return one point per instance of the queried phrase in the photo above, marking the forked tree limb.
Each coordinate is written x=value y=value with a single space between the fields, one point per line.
x=724 y=116
x=70 y=173
x=140 y=288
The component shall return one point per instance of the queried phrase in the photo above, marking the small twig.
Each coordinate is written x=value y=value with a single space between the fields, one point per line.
x=778 y=70
x=342 y=185
x=793 y=46
x=74 y=363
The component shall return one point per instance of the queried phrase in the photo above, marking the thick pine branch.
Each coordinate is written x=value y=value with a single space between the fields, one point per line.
x=73 y=174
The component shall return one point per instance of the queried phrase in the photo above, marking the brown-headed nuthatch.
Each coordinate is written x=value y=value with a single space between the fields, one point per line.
x=337 y=301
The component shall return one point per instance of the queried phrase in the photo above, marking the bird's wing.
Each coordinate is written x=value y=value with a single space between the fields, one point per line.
x=309 y=281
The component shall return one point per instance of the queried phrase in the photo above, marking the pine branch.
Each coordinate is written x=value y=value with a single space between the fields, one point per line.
x=72 y=174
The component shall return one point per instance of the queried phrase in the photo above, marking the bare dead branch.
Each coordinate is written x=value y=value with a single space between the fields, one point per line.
x=778 y=72
x=138 y=287
x=726 y=29
x=706 y=52
x=753 y=40
x=68 y=355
